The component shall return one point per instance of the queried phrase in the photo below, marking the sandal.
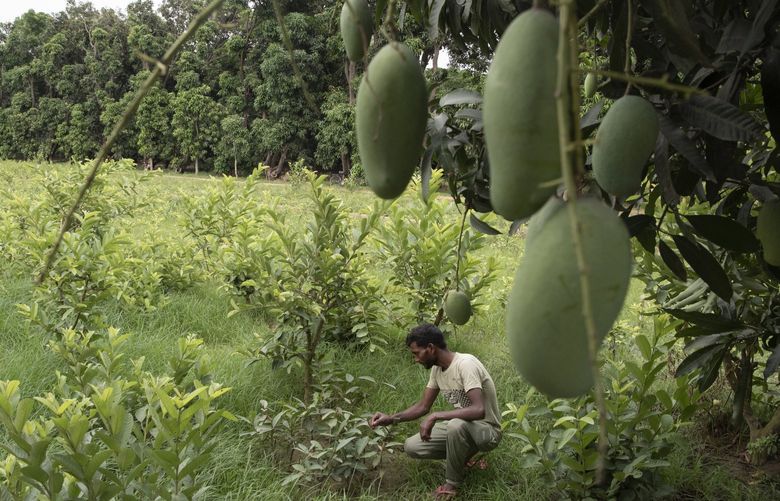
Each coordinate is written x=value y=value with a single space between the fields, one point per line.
x=478 y=464
x=444 y=491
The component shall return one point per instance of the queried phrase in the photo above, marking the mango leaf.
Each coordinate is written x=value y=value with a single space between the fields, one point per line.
x=663 y=172
x=687 y=148
x=697 y=359
x=725 y=232
x=705 y=320
x=671 y=260
x=516 y=224
x=773 y=362
x=590 y=120
x=642 y=226
x=706 y=266
x=710 y=372
x=481 y=226
x=637 y=223
x=705 y=341
x=460 y=96
x=721 y=119
x=470 y=114
x=426 y=172
x=757 y=33
x=695 y=330
x=672 y=20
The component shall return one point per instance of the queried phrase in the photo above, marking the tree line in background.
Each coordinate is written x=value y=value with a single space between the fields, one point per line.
x=230 y=100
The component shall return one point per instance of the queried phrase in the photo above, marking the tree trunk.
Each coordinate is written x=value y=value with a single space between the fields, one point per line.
x=346 y=165
x=349 y=74
x=308 y=377
x=435 y=59
x=312 y=341
x=277 y=170
x=235 y=166
x=196 y=166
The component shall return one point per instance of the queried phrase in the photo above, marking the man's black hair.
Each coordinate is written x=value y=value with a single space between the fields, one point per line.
x=425 y=334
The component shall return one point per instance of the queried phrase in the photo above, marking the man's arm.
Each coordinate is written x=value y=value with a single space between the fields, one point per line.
x=471 y=413
x=419 y=409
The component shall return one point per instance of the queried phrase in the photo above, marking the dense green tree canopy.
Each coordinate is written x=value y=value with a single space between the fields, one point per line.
x=65 y=79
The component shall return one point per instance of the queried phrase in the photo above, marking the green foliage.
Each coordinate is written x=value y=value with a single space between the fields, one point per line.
x=299 y=173
x=357 y=177
x=717 y=333
x=336 y=131
x=212 y=220
x=109 y=431
x=420 y=249
x=763 y=449
x=320 y=291
x=195 y=124
x=324 y=440
x=643 y=417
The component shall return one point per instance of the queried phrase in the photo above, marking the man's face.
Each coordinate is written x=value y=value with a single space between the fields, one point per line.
x=423 y=354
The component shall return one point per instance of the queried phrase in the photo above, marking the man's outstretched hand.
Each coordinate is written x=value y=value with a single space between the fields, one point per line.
x=380 y=419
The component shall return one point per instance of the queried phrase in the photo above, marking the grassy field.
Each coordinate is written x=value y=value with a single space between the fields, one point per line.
x=243 y=468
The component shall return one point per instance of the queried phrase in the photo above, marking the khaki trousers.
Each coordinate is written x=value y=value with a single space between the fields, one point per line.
x=456 y=441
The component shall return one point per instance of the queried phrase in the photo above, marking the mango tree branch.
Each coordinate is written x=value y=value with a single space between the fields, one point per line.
x=566 y=44
x=661 y=83
x=596 y=8
x=160 y=69
x=629 y=33
x=460 y=243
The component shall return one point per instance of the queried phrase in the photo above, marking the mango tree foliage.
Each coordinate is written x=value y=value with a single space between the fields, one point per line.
x=195 y=119
x=91 y=57
x=710 y=69
x=155 y=139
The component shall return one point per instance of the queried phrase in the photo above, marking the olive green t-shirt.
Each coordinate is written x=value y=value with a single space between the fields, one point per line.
x=465 y=373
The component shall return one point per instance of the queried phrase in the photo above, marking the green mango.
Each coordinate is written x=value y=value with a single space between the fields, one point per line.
x=536 y=223
x=591 y=83
x=457 y=307
x=520 y=115
x=391 y=116
x=768 y=231
x=624 y=141
x=356 y=28
x=544 y=320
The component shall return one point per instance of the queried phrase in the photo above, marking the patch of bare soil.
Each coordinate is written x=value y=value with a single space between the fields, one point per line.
x=728 y=448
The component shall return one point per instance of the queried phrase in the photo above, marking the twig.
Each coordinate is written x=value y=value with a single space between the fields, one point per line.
x=460 y=242
x=629 y=33
x=160 y=69
x=662 y=83
x=596 y=8
x=387 y=25
x=564 y=122
x=288 y=45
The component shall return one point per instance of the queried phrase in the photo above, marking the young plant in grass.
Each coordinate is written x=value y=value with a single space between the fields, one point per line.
x=321 y=291
x=212 y=219
x=644 y=417
x=323 y=440
x=111 y=431
x=420 y=249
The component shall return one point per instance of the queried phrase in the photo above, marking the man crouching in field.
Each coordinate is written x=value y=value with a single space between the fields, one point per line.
x=455 y=435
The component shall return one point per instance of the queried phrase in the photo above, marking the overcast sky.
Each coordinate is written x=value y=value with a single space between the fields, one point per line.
x=11 y=9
